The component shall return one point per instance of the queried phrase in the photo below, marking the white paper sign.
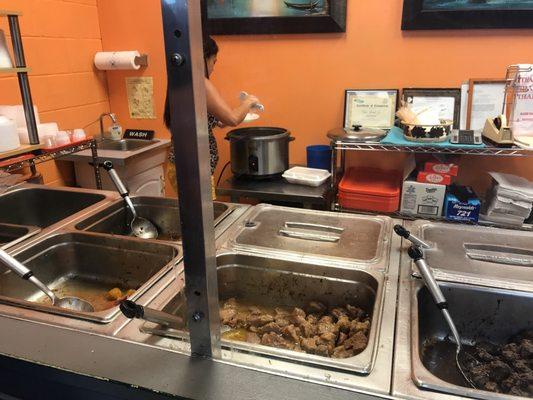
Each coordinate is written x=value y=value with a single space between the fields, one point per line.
x=522 y=116
x=487 y=102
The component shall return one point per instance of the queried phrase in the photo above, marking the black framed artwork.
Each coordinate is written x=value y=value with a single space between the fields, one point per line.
x=447 y=101
x=241 y=17
x=467 y=14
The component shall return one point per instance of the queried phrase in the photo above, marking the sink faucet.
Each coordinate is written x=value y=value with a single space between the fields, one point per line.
x=113 y=119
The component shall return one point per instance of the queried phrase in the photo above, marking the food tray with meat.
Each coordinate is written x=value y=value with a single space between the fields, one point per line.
x=496 y=327
x=361 y=240
x=293 y=310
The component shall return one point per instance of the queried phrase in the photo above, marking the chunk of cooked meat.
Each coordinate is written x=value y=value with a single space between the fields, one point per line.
x=339 y=312
x=312 y=319
x=357 y=342
x=355 y=312
x=326 y=325
x=292 y=332
x=342 y=338
x=357 y=326
x=344 y=324
x=316 y=307
x=114 y=294
x=259 y=319
x=270 y=327
x=341 y=352
x=230 y=303
x=281 y=312
x=226 y=315
x=309 y=344
x=276 y=340
x=253 y=338
x=282 y=321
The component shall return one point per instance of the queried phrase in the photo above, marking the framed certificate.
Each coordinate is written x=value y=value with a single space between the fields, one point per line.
x=370 y=108
x=485 y=100
x=446 y=102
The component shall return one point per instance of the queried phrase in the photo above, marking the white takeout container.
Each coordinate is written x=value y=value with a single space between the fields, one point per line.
x=306 y=176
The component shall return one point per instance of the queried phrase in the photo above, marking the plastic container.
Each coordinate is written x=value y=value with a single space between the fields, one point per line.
x=306 y=176
x=9 y=139
x=62 y=138
x=78 y=135
x=319 y=157
x=370 y=190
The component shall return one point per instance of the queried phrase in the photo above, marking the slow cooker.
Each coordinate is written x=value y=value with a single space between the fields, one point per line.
x=259 y=152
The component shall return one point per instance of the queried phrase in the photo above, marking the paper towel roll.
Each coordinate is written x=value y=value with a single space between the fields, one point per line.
x=116 y=60
x=5 y=59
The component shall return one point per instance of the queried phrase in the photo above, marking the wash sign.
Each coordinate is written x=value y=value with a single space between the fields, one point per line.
x=139 y=134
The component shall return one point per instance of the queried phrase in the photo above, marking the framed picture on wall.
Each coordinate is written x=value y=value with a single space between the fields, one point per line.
x=370 y=108
x=241 y=17
x=446 y=101
x=466 y=14
x=485 y=100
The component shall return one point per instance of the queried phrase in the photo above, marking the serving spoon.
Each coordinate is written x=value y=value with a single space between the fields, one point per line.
x=140 y=227
x=67 y=302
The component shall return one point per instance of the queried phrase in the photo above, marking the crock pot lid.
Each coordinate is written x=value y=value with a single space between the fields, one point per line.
x=259 y=133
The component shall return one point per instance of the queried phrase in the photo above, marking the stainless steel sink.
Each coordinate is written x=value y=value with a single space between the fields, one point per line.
x=43 y=207
x=271 y=282
x=481 y=314
x=12 y=234
x=86 y=266
x=163 y=212
x=124 y=144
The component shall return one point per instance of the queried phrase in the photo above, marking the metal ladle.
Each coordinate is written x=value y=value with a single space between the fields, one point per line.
x=68 y=302
x=431 y=283
x=140 y=227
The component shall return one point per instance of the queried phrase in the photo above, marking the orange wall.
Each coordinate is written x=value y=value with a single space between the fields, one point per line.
x=60 y=39
x=301 y=78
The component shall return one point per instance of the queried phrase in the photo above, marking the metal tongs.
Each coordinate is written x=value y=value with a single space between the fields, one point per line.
x=431 y=283
x=401 y=231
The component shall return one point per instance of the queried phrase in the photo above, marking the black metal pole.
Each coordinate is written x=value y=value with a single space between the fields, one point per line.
x=182 y=26
x=24 y=84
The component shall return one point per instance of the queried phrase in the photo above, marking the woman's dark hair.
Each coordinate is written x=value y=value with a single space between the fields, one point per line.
x=210 y=50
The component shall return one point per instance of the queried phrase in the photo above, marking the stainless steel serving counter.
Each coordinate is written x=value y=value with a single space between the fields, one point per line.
x=142 y=355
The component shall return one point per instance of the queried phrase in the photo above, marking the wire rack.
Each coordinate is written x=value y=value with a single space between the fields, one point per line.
x=489 y=150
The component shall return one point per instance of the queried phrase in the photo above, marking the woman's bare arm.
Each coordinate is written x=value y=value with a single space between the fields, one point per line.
x=218 y=107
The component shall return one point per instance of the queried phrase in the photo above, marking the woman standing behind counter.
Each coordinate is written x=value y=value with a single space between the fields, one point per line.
x=219 y=113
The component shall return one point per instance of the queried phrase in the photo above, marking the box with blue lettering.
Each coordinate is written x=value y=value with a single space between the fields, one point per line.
x=461 y=204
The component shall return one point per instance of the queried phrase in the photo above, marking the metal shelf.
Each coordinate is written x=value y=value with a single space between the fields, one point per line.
x=7 y=13
x=31 y=159
x=13 y=70
x=489 y=150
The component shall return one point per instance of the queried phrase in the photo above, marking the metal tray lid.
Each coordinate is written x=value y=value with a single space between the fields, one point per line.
x=478 y=255
x=352 y=238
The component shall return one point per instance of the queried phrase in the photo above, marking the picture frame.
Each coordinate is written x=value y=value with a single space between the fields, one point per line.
x=332 y=19
x=386 y=117
x=453 y=93
x=466 y=14
x=491 y=103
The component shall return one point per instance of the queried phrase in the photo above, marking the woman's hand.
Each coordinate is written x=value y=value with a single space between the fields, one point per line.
x=250 y=100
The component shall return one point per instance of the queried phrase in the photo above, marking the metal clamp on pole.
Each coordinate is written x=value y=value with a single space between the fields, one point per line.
x=182 y=27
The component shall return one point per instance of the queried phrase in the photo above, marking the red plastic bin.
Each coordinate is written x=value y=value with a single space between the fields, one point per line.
x=370 y=189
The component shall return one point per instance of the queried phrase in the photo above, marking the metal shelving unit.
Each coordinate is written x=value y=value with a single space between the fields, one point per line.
x=30 y=155
x=31 y=159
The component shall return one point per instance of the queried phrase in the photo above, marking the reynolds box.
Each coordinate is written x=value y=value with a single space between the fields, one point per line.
x=424 y=199
x=461 y=204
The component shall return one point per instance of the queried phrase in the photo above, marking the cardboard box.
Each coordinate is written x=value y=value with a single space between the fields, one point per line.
x=434 y=177
x=424 y=199
x=456 y=210
x=441 y=168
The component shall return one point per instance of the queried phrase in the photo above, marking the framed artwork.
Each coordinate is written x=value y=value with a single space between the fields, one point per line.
x=485 y=100
x=241 y=17
x=370 y=108
x=467 y=14
x=447 y=102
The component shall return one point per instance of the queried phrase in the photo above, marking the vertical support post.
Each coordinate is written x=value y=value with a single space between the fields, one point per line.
x=24 y=84
x=182 y=27
x=96 y=165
